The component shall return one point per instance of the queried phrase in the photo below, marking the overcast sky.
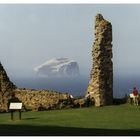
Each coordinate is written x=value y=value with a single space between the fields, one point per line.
x=32 y=34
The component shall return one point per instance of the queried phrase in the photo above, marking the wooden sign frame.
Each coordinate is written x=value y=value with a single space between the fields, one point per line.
x=15 y=106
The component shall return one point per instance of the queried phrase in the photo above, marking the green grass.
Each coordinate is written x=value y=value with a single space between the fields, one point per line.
x=109 y=120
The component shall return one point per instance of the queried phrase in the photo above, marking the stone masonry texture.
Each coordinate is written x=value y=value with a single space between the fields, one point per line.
x=101 y=83
x=6 y=89
x=30 y=98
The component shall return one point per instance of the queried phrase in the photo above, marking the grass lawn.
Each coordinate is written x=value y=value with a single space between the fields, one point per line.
x=103 y=121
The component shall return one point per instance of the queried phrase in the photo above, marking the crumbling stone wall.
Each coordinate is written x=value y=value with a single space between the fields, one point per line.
x=6 y=89
x=30 y=98
x=101 y=82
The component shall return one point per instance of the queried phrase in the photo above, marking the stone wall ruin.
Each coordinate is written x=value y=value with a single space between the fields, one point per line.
x=101 y=83
x=30 y=98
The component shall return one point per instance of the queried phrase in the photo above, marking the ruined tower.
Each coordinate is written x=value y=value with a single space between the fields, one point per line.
x=6 y=89
x=101 y=82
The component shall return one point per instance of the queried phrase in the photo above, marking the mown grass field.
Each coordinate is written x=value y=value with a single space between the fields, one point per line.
x=103 y=121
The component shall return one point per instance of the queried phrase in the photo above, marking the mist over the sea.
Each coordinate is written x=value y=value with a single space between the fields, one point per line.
x=77 y=86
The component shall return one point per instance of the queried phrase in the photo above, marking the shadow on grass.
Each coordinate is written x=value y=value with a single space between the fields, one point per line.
x=29 y=118
x=28 y=130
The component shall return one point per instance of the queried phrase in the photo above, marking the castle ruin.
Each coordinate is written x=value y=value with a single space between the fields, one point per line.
x=101 y=83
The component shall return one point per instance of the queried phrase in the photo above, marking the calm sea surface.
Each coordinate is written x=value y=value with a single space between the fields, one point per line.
x=77 y=86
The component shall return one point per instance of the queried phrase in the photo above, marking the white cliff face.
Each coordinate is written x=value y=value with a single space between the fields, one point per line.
x=61 y=67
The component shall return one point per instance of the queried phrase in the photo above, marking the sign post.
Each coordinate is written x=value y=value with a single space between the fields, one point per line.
x=11 y=114
x=20 y=114
x=15 y=106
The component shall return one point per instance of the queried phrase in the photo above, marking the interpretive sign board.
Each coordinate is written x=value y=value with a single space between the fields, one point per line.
x=15 y=106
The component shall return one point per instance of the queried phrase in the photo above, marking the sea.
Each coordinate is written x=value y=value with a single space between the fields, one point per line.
x=122 y=86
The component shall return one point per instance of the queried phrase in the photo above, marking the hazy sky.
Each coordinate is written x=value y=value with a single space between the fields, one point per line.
x=32 y=34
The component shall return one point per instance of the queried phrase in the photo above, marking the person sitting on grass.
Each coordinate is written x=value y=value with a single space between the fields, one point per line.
x=135 y=93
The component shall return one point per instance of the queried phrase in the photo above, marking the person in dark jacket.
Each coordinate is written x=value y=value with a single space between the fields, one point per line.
x=88 y=98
